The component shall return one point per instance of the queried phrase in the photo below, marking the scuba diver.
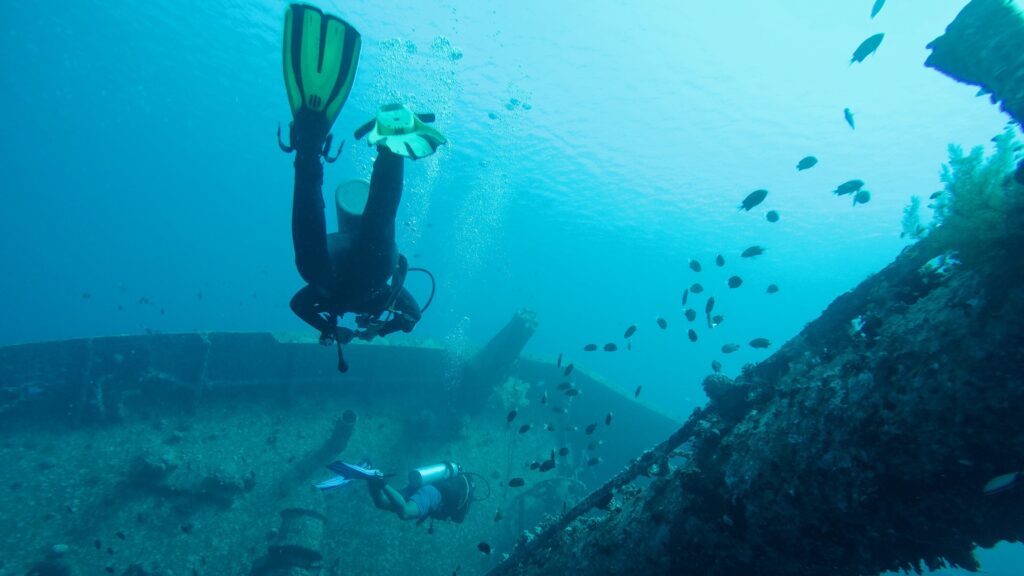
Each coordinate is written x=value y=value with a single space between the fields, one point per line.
x=347 y=271
x=440 y=491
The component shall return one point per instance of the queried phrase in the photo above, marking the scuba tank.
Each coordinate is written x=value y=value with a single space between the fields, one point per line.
x=433 y=474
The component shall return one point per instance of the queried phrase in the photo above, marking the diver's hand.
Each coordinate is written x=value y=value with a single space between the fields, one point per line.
x=344 y=335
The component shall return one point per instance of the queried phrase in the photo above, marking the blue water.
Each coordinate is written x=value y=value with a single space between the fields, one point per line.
x=595 y=147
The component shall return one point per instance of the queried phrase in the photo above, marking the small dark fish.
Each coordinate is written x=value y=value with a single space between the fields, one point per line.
x=772 y=216
x=484 y=547
x=595 y=445
x=662 y=323
x=594 y=461
x=629 y=331
x=544 y=398
x=935 y=195
x=867 y=48
x=691 y=314
x=549 y=427
x=568 y=369
x=565 y=385
x=760 y=343
x=524 y=428
x=608 y=419
x=558 y=409
x=730 y=348
x=735 y=282
x=806 y=162
x=877 y=7
x=691 y=335
x=109 y=569
x=753 y=199
x=86 y=296
x=716 y=366
x=572 y=392
x=686 y=296
x=716 y=320
x=459 y=566
x=498 y=515
x=511 y=416
x=710 y=305
x=563 y=451
x=611 y=347
x=848 y=114
x=696 y=288
x=97 y=543
x=752 y=251
x=590 y=428
x=861 y=197
x=534 y=465
x=720 y=260
x=629 y=345
x=120 y=535
x=516 y=483
x=848 y=187
x=590 y=347
x=772 y=289
x=547 y=465
x=694 y=265
x=636 y=393
x=559 y=363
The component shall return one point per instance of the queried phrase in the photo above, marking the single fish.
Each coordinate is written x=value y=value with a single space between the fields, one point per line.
x=636 y=393
x=935 y=195
x=696 y=288
x=524 y=428
x=565 y=385
x=686 y=296
x=568 y=370
x=629 y=345
x=534 y=465
x=544 y=398
x=594 y=461
x=867 y=48
x=595 y=445
x=629 y=331
x=772 y=216
x=753 y=199
x=662 y=323
x=716 y=366
x=710 y=305
x=547 y=465
x=511 y=416
x=484 y=547
x=1001 y=483
x=735 y=282
x=608 y=419
x=695 y=266
x=611 y=347
x=590 y=347
x=848 y=114
x=559 y=363
x=716 y=320
x=558 y=409
x=772 y=289
x=752 y=251
x=498 y=515
x=572 y=392
x=516 y=483
x=691 y=335
x=720 y=260
x=730 y=348
x=549 y=427
x=805 y=163
x=590 y=428
x=848 y=187
x=690 y=314
x=563 y=451
x=760 y=343
x=877 y=7
x=861 y=197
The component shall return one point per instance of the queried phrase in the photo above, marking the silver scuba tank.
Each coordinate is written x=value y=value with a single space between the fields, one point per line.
x=433 y=474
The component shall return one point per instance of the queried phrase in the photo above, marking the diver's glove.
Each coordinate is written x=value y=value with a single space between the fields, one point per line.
x=339 y=334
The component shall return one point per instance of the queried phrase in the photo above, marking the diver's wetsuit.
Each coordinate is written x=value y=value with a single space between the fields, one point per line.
x=348 y=271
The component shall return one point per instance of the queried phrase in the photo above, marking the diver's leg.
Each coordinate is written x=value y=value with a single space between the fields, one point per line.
x=306 y=305
x=377 y=232
x=309 y=225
